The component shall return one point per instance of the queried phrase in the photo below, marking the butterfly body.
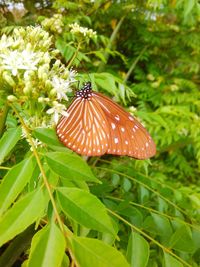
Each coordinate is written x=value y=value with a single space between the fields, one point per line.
x=96 y=125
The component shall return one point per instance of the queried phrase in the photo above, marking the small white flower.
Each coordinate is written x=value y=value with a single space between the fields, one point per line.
x=61 y=86
x=16 y=60
x=72 y=75
x=56 y=110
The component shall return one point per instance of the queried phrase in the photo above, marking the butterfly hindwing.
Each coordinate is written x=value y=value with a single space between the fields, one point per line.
x=127 y=135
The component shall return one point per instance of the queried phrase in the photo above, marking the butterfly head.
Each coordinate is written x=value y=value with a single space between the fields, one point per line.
x=85 y=92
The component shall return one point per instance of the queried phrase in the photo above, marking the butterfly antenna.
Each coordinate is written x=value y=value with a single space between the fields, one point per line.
x=85 y=68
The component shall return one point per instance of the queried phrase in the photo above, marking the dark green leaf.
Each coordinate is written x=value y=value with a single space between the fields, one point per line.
x=8 y=141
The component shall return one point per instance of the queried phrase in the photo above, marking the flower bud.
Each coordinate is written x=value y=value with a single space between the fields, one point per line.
x=7 y=77
x=11 y=98
x=150 y=77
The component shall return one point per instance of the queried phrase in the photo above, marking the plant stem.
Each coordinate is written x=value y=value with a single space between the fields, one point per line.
x=74 y=56
x=112 y=38
x=3 y=117
x=134 y=64
x=48 y=187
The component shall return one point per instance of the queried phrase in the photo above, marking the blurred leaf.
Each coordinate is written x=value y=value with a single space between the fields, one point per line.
x=170 y=261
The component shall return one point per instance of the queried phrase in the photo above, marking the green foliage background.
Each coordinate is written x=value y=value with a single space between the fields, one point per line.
x=58 y=209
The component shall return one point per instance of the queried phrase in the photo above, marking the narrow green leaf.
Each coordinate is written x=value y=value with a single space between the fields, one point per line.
x=85 y=208
x=90 y=252
x=70 y=166
x=8 y=141
x=137 y=251
x=170 y=261
x=47 y=248
x=14 y=181
x=188 y=6
x=22 y=214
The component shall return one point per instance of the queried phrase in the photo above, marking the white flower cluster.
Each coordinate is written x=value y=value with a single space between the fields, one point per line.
x=77 y=29
x=39 y=85
x=53 y=24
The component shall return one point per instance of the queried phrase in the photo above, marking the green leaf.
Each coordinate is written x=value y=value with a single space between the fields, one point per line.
x=70 y=166
x=85 y=208
x=47 y=136
x=188 y=6
x=14 y=181
x=163 y=227
x=137 y=251
x=181 y=240
x=47 y=248
x=8 y=141
x=91 y=252
x=170 y=261
x=22 y=214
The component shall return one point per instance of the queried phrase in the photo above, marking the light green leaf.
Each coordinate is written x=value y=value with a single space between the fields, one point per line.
x=90 y=252
x=85 y=208
x=163 y=226
x=170 y=261
x=188 y=6
x=70 y=166
x=181 y=240
x=47 y=248
x=8 y=141
x=47 y=136
x=14 y=181
x=137 y=250
x=22 y=214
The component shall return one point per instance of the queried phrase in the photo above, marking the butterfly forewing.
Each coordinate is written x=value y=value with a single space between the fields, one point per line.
x=127 y=135
x=82 y=129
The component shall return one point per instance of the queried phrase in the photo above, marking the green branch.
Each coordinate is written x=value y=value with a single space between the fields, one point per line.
x=109 y=46
x=48 y=187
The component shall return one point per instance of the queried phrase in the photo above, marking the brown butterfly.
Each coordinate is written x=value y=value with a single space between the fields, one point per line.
x=95 y=125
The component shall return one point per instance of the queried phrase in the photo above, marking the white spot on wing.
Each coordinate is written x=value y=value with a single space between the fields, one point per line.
x=113 y=125
x=131 y=118
x=116 y=140
x=117 y=117
x=147 y=144
x=122 y=129
x=126 y=142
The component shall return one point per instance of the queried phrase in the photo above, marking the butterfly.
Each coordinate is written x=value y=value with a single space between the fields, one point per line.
x=95 y=125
